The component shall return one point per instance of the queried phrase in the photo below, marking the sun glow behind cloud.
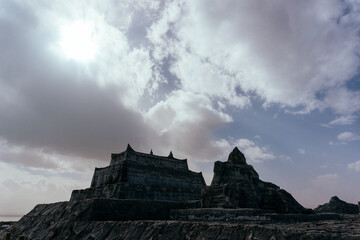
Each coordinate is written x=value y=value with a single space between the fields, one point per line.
x=78 y=41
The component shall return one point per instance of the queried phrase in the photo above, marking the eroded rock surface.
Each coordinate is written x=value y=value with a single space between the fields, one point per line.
x=237 y=185
x=80 y=220
x=336 y=205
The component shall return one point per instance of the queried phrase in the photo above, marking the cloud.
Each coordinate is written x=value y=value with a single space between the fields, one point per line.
x=348 y=136
x=88 y=110
x=66 y=116
x=344 y=120
x=42 y=160
x=242 y=48
x=301 y=150
x=341 y=121
x=327 y=177
x=254 y=152
x=73 y=109
x=19 y=184
x=257 y=137
x=166 y=75
x=354 y=166
x=185 y=121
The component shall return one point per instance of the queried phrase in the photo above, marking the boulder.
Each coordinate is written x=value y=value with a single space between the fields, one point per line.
x=336 y=205
x=236 y=184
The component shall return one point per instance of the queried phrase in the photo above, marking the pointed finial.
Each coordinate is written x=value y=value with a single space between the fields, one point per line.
x=170 y=155
x=151 y=152
x=129 y=148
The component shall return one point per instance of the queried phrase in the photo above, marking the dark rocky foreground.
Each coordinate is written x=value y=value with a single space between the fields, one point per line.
x=116 y=219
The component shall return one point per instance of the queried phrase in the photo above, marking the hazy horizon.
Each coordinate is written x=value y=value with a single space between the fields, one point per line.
x=81 y=79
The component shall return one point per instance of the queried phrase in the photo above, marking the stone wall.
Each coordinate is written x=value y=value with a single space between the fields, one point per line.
x=134 y=175
x=168 y=177
x=137 y=191
x=117 y=158
x=108 y=175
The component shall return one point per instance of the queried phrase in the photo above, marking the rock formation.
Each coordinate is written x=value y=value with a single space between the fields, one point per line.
x=85 y=220
x=336 y=205
x=237 y=185
x=143 y=196
x=135 y=175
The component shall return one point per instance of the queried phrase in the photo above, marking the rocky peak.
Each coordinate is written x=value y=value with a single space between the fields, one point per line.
x=336 y=205
x=335 y=199
x=236 y=157
x=236 y=184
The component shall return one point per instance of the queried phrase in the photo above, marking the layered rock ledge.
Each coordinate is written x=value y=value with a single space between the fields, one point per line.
x=90 y=219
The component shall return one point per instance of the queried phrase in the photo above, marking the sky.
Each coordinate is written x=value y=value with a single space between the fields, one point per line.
x=79 y=80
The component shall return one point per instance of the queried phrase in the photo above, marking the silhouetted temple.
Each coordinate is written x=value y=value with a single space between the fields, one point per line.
x=135 y=175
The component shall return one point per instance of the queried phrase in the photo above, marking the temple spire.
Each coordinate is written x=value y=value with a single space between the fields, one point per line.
x=151 y=152
x=129 y=148
x=171 y=155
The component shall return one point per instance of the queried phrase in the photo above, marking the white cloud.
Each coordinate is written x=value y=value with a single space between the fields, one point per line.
x=340 y=121
x=348 y=136
x=19 y=184
x=258 y=47
x=185 y=122
x=253 y=152
x=301 y=150
x=257 y=137
x=327 y=177
x=354 y=166
x=344 y=120
x=40 y=159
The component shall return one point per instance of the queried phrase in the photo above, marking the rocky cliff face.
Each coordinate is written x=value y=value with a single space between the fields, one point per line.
x=336 y=205
x=237 y=185
x=101 y=219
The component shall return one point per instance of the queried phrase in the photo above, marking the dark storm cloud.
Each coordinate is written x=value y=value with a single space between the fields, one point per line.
x=52 y=104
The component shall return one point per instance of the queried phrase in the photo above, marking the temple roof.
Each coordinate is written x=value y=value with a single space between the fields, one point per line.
x=152 y=155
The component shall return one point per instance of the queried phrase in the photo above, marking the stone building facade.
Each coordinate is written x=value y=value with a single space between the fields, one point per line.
x=136 y=175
